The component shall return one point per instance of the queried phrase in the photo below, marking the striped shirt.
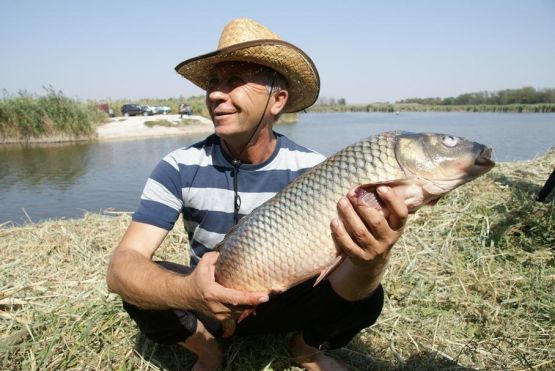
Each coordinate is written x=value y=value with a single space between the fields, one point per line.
x=197 y=182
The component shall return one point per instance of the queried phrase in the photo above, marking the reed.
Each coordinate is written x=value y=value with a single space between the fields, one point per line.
x=25 y=117
x=416 y=107
x=470 y=286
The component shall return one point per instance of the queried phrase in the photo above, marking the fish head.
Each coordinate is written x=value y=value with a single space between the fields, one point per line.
x=441 y=162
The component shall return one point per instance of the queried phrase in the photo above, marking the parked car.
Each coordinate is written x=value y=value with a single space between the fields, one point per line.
x=164 y=110
x=131 y=109
x=149 y=110
x=104 y=107
x=136 y=109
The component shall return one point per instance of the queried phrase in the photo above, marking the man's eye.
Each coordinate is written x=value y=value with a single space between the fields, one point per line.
x=212 y=83
x=235 y=81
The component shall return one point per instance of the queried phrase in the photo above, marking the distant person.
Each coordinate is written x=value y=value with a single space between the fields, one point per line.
x=251 y=79
x=185 y=109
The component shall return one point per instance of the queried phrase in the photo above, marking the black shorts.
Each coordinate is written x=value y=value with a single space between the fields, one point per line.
x=326 y=320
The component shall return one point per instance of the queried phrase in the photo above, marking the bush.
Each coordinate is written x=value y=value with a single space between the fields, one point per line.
x=24 y=117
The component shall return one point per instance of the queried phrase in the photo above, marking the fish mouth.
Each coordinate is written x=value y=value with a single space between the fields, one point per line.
x=482 y=164
x=484 y=158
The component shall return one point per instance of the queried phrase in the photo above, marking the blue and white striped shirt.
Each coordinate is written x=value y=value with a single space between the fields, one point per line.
x=197 y=182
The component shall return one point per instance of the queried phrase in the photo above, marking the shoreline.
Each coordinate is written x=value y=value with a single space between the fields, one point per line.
x=133 y=127
x=128 y=128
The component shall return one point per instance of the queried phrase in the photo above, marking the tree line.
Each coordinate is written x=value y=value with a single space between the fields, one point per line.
x=526 y=95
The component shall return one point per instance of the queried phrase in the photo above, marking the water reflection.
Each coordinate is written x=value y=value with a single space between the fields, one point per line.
x=57 y=166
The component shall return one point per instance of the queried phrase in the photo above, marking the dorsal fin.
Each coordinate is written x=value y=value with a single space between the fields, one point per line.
x=219 y=245
x=232 y=230
x=229 y=232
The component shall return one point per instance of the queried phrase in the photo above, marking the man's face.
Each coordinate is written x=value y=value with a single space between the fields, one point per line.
x=236 y=96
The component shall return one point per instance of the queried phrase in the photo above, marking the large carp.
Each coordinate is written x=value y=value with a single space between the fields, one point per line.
x=288 y=240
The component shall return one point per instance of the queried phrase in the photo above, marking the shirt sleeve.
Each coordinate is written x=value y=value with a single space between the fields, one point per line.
x=161 y=200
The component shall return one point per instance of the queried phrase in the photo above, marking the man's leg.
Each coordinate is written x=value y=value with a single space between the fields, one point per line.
x=194 y=331
x=311 y=358
x=206 y=347
x=323 y=320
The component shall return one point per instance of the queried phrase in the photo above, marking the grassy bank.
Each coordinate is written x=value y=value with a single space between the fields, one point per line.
x=470 y=286
x=416 y=107
x=51 y=117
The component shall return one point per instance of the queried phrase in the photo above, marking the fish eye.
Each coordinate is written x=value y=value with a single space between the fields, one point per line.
x=449 y=141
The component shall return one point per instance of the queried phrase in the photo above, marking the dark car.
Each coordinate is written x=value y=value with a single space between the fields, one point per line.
x=135 y=109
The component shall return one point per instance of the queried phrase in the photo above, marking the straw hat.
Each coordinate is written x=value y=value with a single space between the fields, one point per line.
x=244 y=40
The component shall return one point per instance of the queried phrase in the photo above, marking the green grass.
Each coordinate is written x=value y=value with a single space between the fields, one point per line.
x=172 y=124
x=26 y=117
x=161 y=122
x=470 y=286
x=288 y=118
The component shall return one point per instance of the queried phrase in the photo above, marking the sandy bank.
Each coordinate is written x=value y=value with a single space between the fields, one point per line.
x=134 y=127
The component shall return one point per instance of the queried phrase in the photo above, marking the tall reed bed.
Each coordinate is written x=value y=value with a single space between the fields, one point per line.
x=470 y=286
x=25 y=117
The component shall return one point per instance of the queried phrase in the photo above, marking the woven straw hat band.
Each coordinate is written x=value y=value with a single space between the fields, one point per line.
x=244 y=40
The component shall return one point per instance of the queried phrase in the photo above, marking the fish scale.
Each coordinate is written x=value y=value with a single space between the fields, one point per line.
x=288 y=239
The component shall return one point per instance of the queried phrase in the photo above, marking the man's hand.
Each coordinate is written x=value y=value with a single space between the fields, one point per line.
x=364 y=233
x=366 y=236
x=224 y=304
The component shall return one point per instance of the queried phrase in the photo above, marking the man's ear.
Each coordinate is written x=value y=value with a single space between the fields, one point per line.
x=280 y=99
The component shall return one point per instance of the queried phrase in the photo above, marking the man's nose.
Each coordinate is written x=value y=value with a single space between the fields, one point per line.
x=217 y=94
x=219 y=89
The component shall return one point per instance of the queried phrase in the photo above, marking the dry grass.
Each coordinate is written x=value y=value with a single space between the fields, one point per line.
x=470 y=287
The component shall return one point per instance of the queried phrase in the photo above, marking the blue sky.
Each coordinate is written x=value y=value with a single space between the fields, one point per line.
x=365 y=51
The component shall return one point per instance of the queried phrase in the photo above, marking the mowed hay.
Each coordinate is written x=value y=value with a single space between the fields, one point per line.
x=470 y=285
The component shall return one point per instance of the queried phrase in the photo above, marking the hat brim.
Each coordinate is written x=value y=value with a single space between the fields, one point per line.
x=291 y=62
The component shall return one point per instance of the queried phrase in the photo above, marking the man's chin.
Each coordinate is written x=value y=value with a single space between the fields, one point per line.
x=222 y=123
x=226 y=132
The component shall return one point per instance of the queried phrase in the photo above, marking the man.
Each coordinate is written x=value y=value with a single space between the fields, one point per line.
x=184 y=109
x=249 y=80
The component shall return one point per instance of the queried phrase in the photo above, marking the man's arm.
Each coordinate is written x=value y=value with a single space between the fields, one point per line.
x=133 y=275
x=366 y=236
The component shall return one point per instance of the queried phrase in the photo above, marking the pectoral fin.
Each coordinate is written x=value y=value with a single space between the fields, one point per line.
x=246 y=313
x=410 y=190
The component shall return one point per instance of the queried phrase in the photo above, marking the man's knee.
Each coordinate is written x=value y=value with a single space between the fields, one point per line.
x=374 y=304
x=333 y=333
x=163 y=326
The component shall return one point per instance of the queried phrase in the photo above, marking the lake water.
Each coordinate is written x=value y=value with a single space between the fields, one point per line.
x=54 y=181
